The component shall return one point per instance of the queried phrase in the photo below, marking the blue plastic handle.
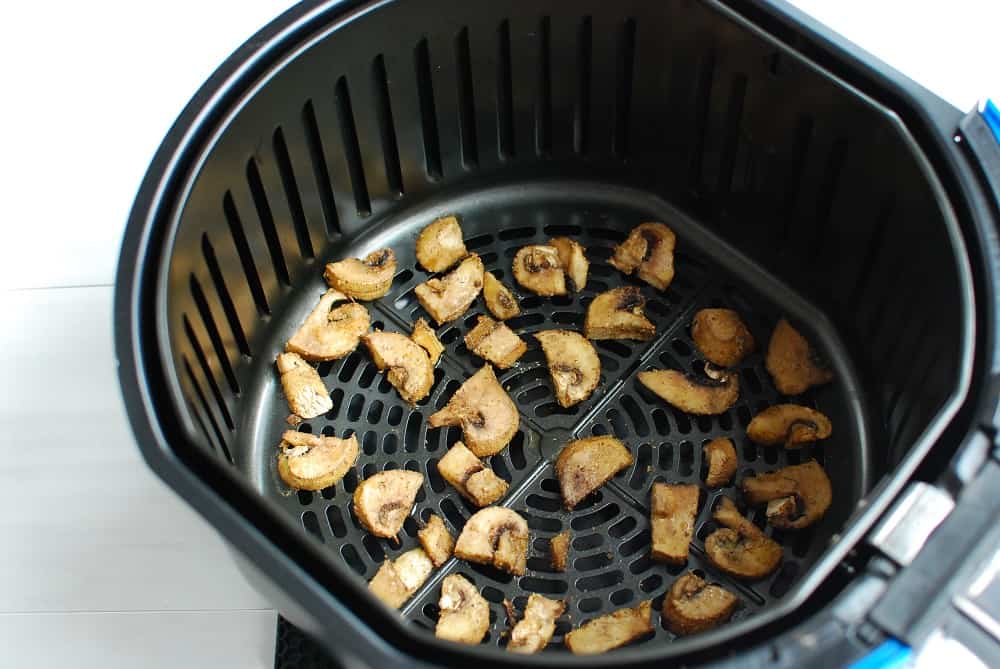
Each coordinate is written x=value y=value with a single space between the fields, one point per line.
x=891 y=654
x=991 y=115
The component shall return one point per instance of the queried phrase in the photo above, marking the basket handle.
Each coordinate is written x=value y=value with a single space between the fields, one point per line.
x=980 y=132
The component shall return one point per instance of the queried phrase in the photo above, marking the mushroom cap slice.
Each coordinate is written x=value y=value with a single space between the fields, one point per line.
x=304 y=390
x=810 y=489
x=694 y=605
x=740 y=548
x=497 y=536
x=440 y=245
x=314 y=461
x=382 y=502
x=721 y=336
x=537 y=268
x=618 y=314
x=495 y=342
x=465 y=614
x=534 y=631
x=673 y=508
x=559 y=550
x=448 y=297
x=499 y=299
x=397 y=580
x=410 y=369
x=470 y=476
x=330 y=333
x=436 y=540
x=363 y=279
x=486 y=414
x=650 y=249
x=790 y=424
x=586 y=464
x=573 y=363
x=573 y=260
x=722 y=461
x=424 y=337
x=610 y=631
x=792 y=362
x=702 y=396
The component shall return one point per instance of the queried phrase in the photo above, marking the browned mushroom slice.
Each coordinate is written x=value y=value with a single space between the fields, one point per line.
x=534 y=631
x=586 y=464
x=790 y=424
x=465 y=614
x=313 y=461
x=740 y=548
x=807 y=485
x=440 y=245
x=573 y=260
x=499 y=300
x=694 y=605
x=306 y=395
x=673 y=510
x=722 y=461
x=425 y=338
x=495 y=342
x=382 y=502
x=537 y=268
x=410 y=370
x=496 y=536
x=330 y=333
x=367 y=279
x=470 y=476
x=397 y=580
x=721 y=336
x=559 y=550
x=611 y=631
x=448 y=297
x=650 y=249
x=486 y=414
x=436 y=540
x=793 y=363
x=573 y=365
x=699 y=395
x=618 y=314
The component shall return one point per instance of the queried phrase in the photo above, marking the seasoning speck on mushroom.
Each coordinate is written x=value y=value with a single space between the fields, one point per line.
x=559 y=550
x=436 y=540
x=495 y=342
x=382 y=502
x=573 y=260
x=573 y=364
x=497 y=536
x=537 y=268
x=722 y=461
x=586 y=464
x=440 y=244
x=410 y=369
x=448 y=297
x=791 y=425
x=363 y=279
x=721 y=336
x=740 y=548
x=673 y=508
x=700 y=395
x=465 y=614
x=797 y=496
x=534 y=631
x=470 y=476
x=499 y=298
x=794 y=365
x=484 y=411
x=650 y=249
x=397 y=580
x=330 y=333
x=618 y=314
x=424 y=337
x=314 y=461
x=611 y=631
x=694 y=605
x=306 y=395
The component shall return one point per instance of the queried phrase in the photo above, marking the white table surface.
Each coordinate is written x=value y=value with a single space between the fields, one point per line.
x=101 y=565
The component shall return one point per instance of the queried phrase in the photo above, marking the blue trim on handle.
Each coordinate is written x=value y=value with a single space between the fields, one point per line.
x=992 y=117
x=891 y=654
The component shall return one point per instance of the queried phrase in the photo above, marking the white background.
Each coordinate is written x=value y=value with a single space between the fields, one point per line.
x=100 y=565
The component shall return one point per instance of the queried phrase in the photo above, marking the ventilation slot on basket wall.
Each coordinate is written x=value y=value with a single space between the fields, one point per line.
x=352 y=151
x=505 y=94
x=213 y=334
x=208 y=252
x=246 y=257
x=291 y=187
x=581 y=116
x=623 y=96
x=267 y=222
x=428 y=115
x=387 y=128
x=466 y=102
x=207 y=370
x=321 y=172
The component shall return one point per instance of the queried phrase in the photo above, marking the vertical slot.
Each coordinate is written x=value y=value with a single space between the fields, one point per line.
x=702 y=100
x=352 y=150
x=581 y=115
x=828 y=193
x=246 y=257
x=428 y=115
x=292 y=193
x=505 y=93
x=224 y=297
x=204 y=407
x=734 y=116
x=543 y=113
x=387 y=128
x=213 y=333
x=267 y=222
x=623 y=94
x=873 y=250
x=213 y=385
x=466 y=101
x=321 y=172
x=793 y=179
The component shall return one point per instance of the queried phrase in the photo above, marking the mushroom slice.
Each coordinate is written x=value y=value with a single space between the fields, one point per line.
x=425 y=338
x=534 y=631
x=793 y=363
x=330 y=333
x=499 y=300
x=471 y=477
x=448 y=297
x=808 y=486
x=382 y=502
x=695 y=605
x=314 y=461
x=440 y=245
x=673 y=510
x=537 y=268
x=496 y=536
x=573 y=259
x=790 y=424
x=650 y=249
x=465 y=614
x=559 y=550
x=367 y=279
x=611 y=631
x=486 y=414
x=740 y=548
x=722 y=461
x=495 y=342
x=436 y=540
x=721 y=336
x=306 y=395
x=618 y=314
x=410 y=369
x=573 y=365
x=699 y=395
x=396 y=581
x=586 y=464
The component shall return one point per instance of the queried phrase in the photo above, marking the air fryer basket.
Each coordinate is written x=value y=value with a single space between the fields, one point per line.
x=347 y=127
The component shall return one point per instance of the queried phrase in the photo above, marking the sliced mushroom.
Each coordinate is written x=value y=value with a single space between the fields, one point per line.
x=440 y=245
x=397 y=580
x=410 y=369
x=573 y=364
x=722 y=461
x=650 y=248
x=495 y=342
x=699 y=395
x=448 y=297
x=499 y=299
x=793 y=363
x=740 y=548
x=382 y=502
x=559 y=550
x=305 y=393
x=673 y=508
x=367 y=279
x=586 y=464
x=534 y=631
x=573 y=260
x=315 y=461
x=330 y=333
x=610 y=631
x=465 y=614
x=470 y=476
x=806 y=484
x=694 y=605
x=436 y=540
x=789 y=424
x=618 y=314
x=425 y=338
x=721 y=336
x=497 y=536
x=537 y=268
x=486 y=414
